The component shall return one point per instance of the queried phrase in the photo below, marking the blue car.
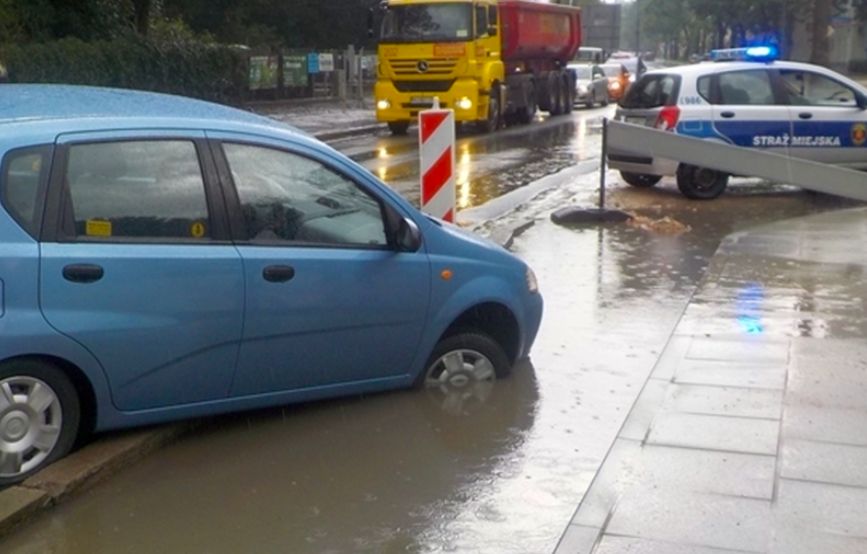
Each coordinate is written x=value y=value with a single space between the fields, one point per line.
x=166 y=258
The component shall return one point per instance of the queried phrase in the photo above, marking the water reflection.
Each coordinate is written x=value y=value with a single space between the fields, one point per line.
x=375 y=474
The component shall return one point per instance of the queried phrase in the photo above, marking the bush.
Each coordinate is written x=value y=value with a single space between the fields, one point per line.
x=172 y=62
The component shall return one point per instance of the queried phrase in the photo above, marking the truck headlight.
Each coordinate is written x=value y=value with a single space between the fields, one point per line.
x=532 y=282
x=383 y=104
x=465 y=103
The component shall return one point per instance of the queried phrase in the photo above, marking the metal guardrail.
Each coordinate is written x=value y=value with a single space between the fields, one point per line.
x=737 y=160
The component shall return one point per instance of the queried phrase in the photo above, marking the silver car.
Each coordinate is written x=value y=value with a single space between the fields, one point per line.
x=591 y=85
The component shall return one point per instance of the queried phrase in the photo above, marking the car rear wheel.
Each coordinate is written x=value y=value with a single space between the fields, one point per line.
x=591 y=102
x=700 y=183
x=641 y=180
x=39 y=418
x=398 y=128
x=463 y=360
x=606 y=99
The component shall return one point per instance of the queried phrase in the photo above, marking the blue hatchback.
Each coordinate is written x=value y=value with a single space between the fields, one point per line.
x=164 y=258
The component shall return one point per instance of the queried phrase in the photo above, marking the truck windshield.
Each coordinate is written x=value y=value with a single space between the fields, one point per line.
x=430 y=22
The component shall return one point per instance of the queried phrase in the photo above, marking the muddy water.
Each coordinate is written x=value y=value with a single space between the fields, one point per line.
x=497 y=469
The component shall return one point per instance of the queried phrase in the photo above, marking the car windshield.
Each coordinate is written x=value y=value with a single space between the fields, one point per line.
x=611 y=70
x=441 y=22
x=581 y=71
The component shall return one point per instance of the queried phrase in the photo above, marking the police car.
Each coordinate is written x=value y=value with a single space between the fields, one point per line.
x=746 y=98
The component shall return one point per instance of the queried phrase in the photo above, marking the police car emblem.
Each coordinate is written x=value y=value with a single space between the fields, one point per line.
x=422 y=66
x=859 y=134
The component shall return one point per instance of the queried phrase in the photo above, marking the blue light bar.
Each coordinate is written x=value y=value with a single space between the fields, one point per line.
x=765 y=53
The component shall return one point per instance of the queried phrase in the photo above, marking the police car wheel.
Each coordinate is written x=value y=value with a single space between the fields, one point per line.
x=700 y=183
x=640 y=180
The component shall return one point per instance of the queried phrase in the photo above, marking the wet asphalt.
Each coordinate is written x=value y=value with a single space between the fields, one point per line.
x=497 y=469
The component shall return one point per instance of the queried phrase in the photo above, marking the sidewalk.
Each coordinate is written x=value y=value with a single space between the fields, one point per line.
x=751 y=433
x=326 y=119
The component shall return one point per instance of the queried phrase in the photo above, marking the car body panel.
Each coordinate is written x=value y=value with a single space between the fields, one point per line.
x=830 y=134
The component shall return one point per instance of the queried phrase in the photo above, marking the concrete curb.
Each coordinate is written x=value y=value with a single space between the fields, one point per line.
x=326 y=136
x=80 y=471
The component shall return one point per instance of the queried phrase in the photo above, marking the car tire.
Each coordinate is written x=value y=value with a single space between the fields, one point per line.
x=462 y=359
x=606 y=99
x=699 y=183
x=591 y=102
x=528 y=112
x=398 y=128
x=40 y=416
x=640 y=180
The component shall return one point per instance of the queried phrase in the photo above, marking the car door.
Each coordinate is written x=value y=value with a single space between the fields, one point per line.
x=828 y=125
x=328 y=301
x=746 y=110
x=137 y=265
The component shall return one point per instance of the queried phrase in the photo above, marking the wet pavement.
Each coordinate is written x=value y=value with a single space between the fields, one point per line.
x=750 y=434
x=499 y=469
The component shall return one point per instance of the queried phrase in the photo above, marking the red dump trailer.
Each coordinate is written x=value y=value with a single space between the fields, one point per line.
x=538 y=41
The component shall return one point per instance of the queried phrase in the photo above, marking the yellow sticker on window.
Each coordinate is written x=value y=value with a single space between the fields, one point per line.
x=197 y=230
x=98 y=228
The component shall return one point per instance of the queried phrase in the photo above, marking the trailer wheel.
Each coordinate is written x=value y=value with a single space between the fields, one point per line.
x=569 y=95
x=556 y=95
x=528 y=112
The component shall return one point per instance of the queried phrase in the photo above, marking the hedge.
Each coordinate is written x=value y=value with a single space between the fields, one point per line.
x=187 y=67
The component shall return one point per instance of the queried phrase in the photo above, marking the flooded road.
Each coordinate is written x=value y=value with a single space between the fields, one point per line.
x=498 y=469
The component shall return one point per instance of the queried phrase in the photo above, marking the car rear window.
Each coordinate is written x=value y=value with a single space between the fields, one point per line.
x=25 y=173
x=652 y=91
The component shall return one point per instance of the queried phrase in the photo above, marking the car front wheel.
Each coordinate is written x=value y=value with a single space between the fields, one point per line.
x=464 y=360
x=700 y=183
x=39 y=418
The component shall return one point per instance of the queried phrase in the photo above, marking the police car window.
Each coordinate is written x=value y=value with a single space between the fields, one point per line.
x=704 y=88
x=746 y=88
x=805 y=88
x=652 y=91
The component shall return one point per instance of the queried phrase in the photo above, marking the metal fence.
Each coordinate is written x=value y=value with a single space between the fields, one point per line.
x=280 y=74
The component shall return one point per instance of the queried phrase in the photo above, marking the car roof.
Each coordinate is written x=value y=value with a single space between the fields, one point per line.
x=709 y=68
x=70 y=103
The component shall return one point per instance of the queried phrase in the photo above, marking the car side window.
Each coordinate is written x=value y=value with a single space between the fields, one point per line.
x=286 y=197
x=150 y=189
x=805 y=88
x=703 y=86
x=751 y=88
x=25 y=172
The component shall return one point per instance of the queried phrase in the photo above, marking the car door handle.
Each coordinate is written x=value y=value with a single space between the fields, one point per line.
x=83 y=273
x=727 y=115
x=805 y=115
x=278 y=273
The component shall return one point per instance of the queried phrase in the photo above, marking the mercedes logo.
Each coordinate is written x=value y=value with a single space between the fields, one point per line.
x=422 y=66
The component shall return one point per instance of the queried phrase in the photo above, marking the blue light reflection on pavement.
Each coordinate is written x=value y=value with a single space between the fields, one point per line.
x=748 y=307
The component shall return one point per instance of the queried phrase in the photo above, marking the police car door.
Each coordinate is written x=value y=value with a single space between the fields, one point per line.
x=746 y=111
x=827 y=123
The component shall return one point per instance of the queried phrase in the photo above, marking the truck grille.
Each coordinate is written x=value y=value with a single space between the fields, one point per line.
x=423 y=86
x=406 y=66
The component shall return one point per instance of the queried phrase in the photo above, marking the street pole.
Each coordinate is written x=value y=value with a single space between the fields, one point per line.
x=637 y=29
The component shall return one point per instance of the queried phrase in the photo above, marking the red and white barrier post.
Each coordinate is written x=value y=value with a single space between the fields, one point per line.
x=436 y=134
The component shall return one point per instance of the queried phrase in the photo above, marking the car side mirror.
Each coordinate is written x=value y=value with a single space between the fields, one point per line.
x=408 y=237
x=403 y=233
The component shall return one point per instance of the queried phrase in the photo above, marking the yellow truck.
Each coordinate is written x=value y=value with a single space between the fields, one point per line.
x=492 y=62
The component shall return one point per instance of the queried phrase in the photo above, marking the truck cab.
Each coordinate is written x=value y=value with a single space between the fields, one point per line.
x=446 y=49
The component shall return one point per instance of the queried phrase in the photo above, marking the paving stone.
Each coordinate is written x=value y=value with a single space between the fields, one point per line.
x=578 y=539
x=833 y=509
x=617 y=474
x=728 y=374
x=752 y=436
x=797 y=539
x=672 y=357
x=829 y=373
x=631 y=545
x=724 y=473
x=758 y=350
x=693 y=519
x=824 y=462
x=728 y=401
x=645 y=408
x=825 y=423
